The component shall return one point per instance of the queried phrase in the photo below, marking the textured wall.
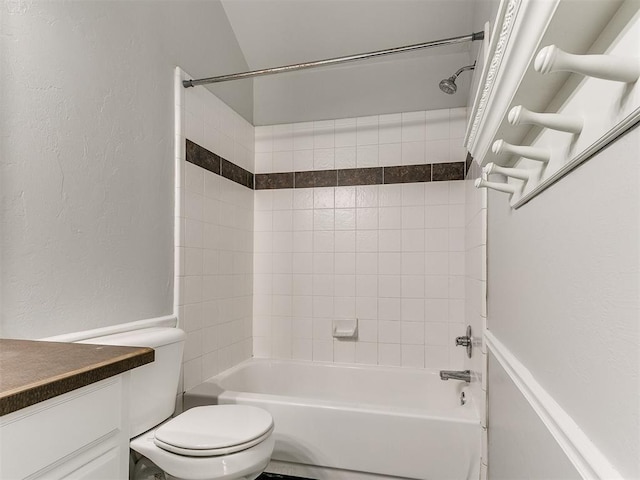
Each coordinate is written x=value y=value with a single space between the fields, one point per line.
x=520 y=444
x=87 y=158
x=564 y=277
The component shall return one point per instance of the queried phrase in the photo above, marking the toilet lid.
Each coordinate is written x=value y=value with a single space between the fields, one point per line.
x=214 y=430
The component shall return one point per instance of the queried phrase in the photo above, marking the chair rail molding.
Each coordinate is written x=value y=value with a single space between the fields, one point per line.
x=588 y=460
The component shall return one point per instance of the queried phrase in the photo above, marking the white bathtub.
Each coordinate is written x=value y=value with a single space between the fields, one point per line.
x=373 y=420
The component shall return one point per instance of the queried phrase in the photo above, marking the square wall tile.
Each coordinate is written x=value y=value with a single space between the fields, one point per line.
x=345 y=132
x=437 y=125
x=413 y=126
x=412 y=356
x=367 y=130
x=322 y=351
x=366 y=353
x=389 y=354
x=302 y=349
x=390 y=154
x=397 y=257
x=303 y=136
x=390 y=128
x=345 y=157
x=344 y=351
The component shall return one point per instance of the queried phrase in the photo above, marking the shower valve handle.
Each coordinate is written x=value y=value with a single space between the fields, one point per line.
x=466 y=341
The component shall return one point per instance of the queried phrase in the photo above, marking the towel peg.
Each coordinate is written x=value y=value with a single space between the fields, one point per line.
x=519 y=173
x=501 y=147
x=500 y=187
x=519 y=115
x=553 y=59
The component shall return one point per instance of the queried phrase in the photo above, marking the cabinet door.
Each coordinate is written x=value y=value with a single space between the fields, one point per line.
x=68 y=435
x=102 y=462
x=105 y=467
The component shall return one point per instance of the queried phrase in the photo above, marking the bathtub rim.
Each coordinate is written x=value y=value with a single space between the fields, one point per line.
x=466 y=415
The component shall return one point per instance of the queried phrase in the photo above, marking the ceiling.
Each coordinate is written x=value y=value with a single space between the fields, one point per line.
x=280 y=32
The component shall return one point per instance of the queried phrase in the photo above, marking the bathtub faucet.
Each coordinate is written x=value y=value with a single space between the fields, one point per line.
x=464 y=375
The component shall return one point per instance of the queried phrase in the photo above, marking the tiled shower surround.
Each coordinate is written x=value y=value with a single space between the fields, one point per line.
x=390 y=255
x=214 y=252
x=476 y=293
x=265 y=271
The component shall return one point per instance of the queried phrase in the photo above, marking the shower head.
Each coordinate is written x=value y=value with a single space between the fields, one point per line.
x=448 y=85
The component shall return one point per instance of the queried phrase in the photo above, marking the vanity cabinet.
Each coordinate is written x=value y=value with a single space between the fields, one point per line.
x=82 y=434
x=64 y=409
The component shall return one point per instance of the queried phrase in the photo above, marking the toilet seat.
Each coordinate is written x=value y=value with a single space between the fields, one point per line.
x=214 y=430
x=247 y=463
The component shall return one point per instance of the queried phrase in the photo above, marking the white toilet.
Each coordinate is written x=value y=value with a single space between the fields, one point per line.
x=217 y=442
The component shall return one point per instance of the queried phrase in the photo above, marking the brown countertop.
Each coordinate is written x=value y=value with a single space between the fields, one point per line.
x=33 y=371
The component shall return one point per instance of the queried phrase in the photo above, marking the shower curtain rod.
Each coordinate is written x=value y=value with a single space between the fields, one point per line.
x=333 y=61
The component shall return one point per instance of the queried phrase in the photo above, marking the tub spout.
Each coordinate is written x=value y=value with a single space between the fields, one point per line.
x=464 y=375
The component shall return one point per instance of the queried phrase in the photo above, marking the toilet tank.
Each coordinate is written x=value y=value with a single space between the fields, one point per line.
x=153 y=386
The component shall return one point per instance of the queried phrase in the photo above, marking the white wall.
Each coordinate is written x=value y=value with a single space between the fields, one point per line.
x=215 y=242
x=521 y=446
x=404 y=83
x=391 y=255
x=564 y=299
x=286 y=32
x=87 y=156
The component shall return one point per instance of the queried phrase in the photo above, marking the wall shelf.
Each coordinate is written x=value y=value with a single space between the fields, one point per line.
x=608 y=108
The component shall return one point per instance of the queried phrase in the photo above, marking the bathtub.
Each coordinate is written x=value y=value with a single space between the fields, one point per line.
x=355 y=422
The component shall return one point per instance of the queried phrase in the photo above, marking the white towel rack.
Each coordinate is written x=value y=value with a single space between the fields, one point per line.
x=552 y=110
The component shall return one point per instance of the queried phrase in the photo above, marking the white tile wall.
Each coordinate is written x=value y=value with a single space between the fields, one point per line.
x=390 y=255
x=293 y=260
x=380 y=140
x=214 y=243
x=475 y=309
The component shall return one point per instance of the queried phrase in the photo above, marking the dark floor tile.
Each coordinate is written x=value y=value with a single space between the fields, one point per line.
x=277 y=476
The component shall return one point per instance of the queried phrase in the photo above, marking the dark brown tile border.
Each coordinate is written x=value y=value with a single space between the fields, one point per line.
x=235 y=173
x=427 y=172
x=202 y=157
x=442 y=172
x=360 y=176
x=408 y=174
x=316 y=178
x=272 y=181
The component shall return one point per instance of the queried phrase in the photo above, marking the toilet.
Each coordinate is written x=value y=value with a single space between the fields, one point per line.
x=216 y=442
